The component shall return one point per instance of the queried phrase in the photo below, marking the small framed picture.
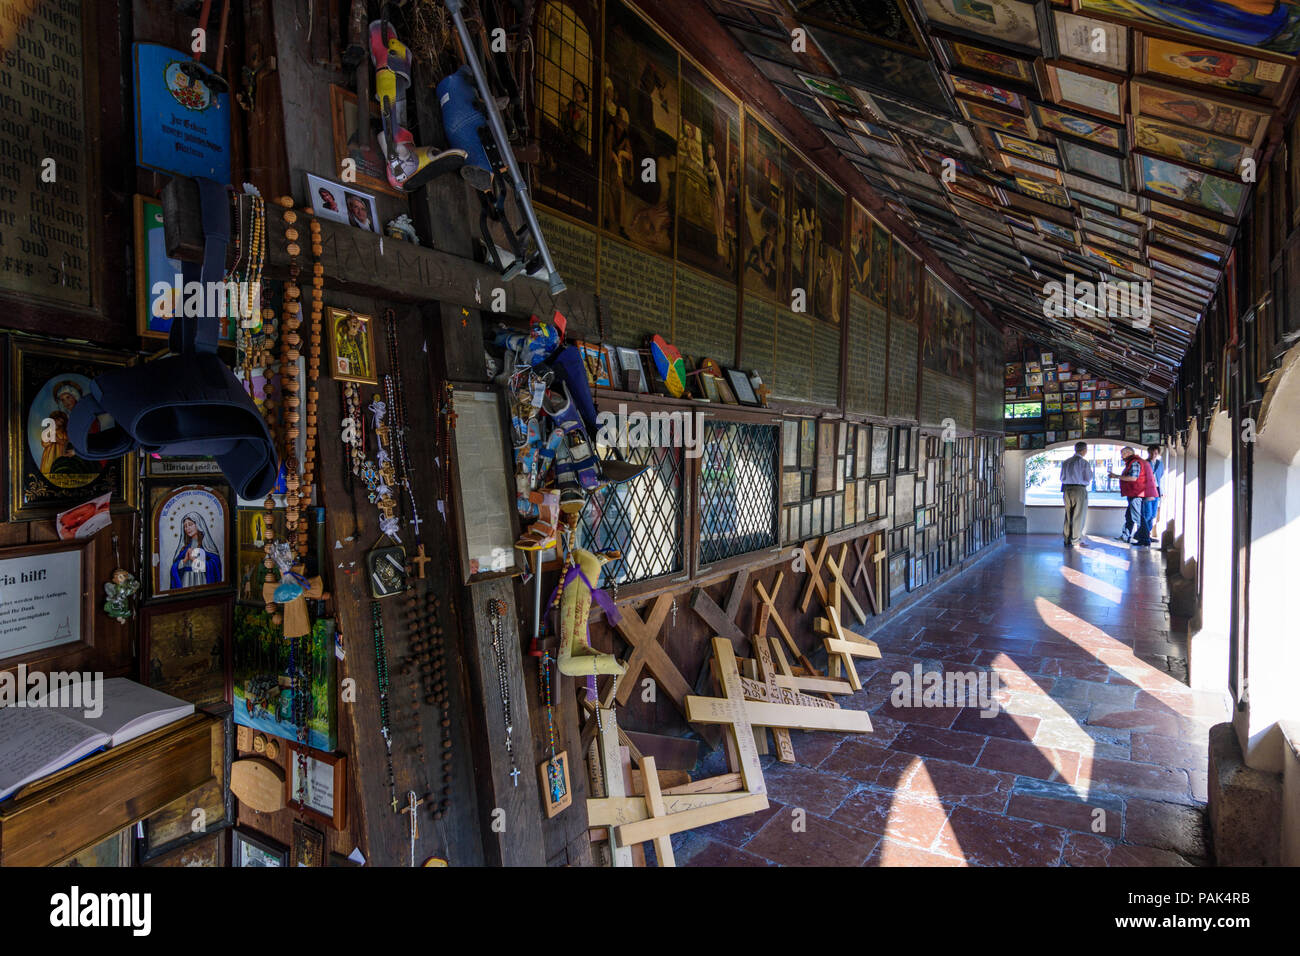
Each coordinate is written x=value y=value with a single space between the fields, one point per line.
x=740 y=385
x=556 y=792
x=386 y=569
x=634 y=377
x=185 y=649
x=596 y=362
x=316 y=784
x=335 y=202
x=352 y=347
x=252 y=849
x=308 y=846
x=356 y=143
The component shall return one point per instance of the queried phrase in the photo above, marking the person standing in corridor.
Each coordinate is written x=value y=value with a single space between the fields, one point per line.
x=1136 y=483
x=1076 y=478
x=1153 y=504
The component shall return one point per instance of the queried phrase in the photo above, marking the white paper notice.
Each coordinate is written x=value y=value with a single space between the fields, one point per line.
x=40 y=601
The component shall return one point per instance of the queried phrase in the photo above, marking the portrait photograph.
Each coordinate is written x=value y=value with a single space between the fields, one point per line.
x=336 y=202
x=46 y=476
x=189 y=535
x=352 y=347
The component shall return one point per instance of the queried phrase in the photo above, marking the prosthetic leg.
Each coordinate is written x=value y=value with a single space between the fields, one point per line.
x=409 y=166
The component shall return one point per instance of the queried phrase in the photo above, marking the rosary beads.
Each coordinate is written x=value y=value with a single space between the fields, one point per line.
x=496 y=612
x=381 y=670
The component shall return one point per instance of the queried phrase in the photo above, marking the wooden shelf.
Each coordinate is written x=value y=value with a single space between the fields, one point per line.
x=69 y=811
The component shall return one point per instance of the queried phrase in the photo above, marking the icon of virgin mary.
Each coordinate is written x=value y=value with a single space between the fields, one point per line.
x=194 y=564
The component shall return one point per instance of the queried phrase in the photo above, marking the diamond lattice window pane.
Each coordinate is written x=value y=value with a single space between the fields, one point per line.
x=738 y=484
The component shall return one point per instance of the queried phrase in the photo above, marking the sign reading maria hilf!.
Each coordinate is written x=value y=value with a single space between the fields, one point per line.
x=182 y=125
x=40 y=601
x=44 y=156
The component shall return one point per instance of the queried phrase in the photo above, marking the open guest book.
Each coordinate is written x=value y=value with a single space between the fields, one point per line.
x=35 y=741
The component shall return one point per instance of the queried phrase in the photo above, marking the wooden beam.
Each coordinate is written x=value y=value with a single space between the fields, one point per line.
x=814 y=573
x=836 y=569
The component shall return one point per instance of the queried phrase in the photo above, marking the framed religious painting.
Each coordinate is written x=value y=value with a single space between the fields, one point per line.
x=157 y=277
x=1257 y=74
x=189 y=539
x=1213 y=115
x=880 y=448
x=1163 y=212
x=357 y=143
x=997 y=95
x=1086 y=128
x=1216 y=196
x=252 y=531
x=963 y=56
x=1193 y=146
x=1095 y=163
x=316 y=785
x=185 y=649
x=46 y=476
x=352 y=347
x=308 y=847
x=938 y=129
x=985 y=115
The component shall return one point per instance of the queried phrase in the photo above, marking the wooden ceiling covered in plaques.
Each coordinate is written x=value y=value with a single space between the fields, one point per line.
x=1058 y=141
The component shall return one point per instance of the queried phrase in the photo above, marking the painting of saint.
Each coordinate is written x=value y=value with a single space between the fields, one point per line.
x=46 y=473
x=708 y=155
x=191 y=534
x=878 y=277
x=352 y=347
x=567 y=81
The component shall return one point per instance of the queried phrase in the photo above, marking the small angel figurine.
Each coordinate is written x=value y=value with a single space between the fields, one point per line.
x=118 y=592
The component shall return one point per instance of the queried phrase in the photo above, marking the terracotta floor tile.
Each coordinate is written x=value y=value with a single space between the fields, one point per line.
x=738 y=830
x=1166 y=826
x=936 y=742
x=893 y=853
x=1004 y=725
x=863 y=761
x=821 y=842
x=803 y=787
x=895 y=815
x=1030 y=760
x=984 y=839
x=711 y=853
x=1088 y=850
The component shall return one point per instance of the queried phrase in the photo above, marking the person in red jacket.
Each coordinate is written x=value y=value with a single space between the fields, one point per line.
x=1136 y=483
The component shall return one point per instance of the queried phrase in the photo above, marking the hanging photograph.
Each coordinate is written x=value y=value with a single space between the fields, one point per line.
x=707 y=175
x=189 y=538
x=641 y=116
x=45 y=475
x=565 y=99
x=250 y=849
x=185 y=649
x=335 y=202
x=351 y=347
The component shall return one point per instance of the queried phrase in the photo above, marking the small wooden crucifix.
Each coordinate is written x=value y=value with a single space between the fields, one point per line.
x=296 y=617
x=420 y=560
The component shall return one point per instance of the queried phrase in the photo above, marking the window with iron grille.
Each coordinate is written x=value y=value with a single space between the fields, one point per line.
x=641 y=518
x=738 y=489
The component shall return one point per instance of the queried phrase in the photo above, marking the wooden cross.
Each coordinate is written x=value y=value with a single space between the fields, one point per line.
x=836 y=569
x=860 y=548
x=723 y=620
x=420 y=561
x=785 y=677
x=770 y=601
x=296 y=617
x=607 y=779
x=740 y=716
x=814 y=573
x=842 y=646
x=647 y=652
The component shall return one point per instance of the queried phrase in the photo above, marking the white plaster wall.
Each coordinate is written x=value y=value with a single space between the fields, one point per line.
x=1207 y=653
x=1273 y=646
x=1191 y=506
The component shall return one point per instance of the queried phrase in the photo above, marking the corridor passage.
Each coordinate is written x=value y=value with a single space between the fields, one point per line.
x=1099 y=756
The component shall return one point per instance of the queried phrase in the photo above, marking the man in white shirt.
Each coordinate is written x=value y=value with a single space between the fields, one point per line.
x=1076 y=478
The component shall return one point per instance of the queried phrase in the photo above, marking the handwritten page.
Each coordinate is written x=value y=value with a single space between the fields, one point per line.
x=35 y=742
